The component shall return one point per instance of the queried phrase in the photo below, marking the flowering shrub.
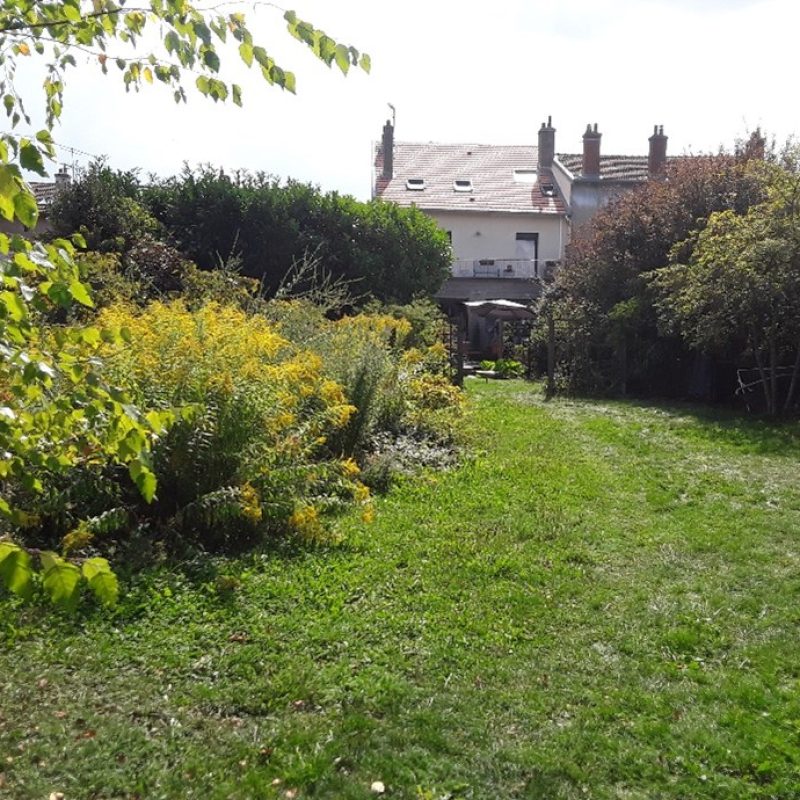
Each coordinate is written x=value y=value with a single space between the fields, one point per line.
x=254 y=424
x=250 y=449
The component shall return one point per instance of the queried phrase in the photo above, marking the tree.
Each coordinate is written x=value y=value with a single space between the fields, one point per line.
x=389 y=252
x=56 y=410
x=607 y=329
x=104 y=206
x=739 y=292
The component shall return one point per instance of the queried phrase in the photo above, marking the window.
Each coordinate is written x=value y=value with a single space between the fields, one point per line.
x=462 y=185
x=415 y=184
x=525 y=175
x=548 y=190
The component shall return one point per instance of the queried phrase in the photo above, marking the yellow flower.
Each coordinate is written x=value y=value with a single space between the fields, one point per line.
x=305 y=522
x=350 y=468
x=361 y=493
x=250 y=503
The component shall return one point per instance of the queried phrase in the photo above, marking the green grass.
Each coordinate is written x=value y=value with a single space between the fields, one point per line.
x=604 y=603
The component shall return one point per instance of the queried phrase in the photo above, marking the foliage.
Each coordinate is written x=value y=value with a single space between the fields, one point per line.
x=252 y=447
x=427 y=321
x=741 y=286
x=508 y=368
x=607 y=329
x=58 y=413
x=60 y=579
x=103 y=205
x=379 y=248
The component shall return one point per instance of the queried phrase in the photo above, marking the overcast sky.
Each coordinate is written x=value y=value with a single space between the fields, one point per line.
x=708 y=70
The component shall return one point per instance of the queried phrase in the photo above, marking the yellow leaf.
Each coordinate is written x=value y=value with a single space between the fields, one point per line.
x=148 y=74
x=23 y=49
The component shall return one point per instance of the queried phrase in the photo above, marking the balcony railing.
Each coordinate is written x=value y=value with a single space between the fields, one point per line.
x=496 y=268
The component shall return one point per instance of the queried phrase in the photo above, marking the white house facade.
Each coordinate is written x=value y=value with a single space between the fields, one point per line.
x=510 y=210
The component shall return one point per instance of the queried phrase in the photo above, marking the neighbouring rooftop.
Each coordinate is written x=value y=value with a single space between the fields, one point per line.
x=620 y=168
x=468 y=177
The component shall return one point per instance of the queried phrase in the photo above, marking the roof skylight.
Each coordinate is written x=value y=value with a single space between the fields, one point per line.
x=525 y=175
x=462 y=185
x=415 y=184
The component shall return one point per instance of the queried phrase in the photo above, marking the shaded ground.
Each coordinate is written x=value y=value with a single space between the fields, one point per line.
x=603 y=604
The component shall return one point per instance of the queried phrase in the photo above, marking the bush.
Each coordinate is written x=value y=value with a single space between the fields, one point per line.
x=508 y=368
x=247 y=455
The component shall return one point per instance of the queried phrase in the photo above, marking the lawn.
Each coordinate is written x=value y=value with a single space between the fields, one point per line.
x=603 y=603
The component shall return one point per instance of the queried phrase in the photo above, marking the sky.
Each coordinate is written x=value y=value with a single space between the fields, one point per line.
x=709 y=71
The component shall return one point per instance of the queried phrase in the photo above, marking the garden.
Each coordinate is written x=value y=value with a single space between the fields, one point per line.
x=600 y=602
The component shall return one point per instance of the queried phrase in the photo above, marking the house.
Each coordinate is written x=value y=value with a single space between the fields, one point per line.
x=509 y=210
x=45 y=193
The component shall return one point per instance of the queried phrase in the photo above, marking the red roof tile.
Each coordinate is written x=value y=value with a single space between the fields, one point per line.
x=619 y=168
x=44 y=193
x=489 y=167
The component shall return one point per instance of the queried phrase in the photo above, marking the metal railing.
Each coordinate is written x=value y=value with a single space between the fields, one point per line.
x=496 y=268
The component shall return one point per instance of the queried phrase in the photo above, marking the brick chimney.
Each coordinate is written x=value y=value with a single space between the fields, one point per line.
x=388 y=150
x=547 y=145
x=657 y=156
x=62 y=178
x=591 y=152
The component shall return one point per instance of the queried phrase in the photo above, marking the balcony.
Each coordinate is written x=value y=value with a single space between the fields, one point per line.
x=522 y=268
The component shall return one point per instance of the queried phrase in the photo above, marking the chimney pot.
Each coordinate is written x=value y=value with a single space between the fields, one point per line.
x=388 y=150
x=547 y=145
x=657 y=155
x=62 y=177
x=591 y=152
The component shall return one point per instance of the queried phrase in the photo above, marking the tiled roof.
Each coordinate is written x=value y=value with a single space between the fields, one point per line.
x=489 y=167
x=619 y=168
x=45 y=193
x=462 y=289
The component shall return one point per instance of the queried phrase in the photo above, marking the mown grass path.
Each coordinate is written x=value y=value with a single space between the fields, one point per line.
x=604 y=603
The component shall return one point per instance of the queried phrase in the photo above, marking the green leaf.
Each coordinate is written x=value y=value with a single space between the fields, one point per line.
x=365 y=63
x=203 y=84
x=102 y=581
x=144 y=479
x=14 y=306
x=30 y=157
x=60 y=579
x=342 y=56
x=71 y=13
x=211 y=60
x=246 y=52
x=80 y=293
x=9 y=188
x=16 y=572
x=25 y=209
x=237 y=94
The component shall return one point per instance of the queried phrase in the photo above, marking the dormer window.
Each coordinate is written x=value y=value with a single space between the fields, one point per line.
x=525 y=175
x=415 y=184
x=548 y=190
x=462 y=185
